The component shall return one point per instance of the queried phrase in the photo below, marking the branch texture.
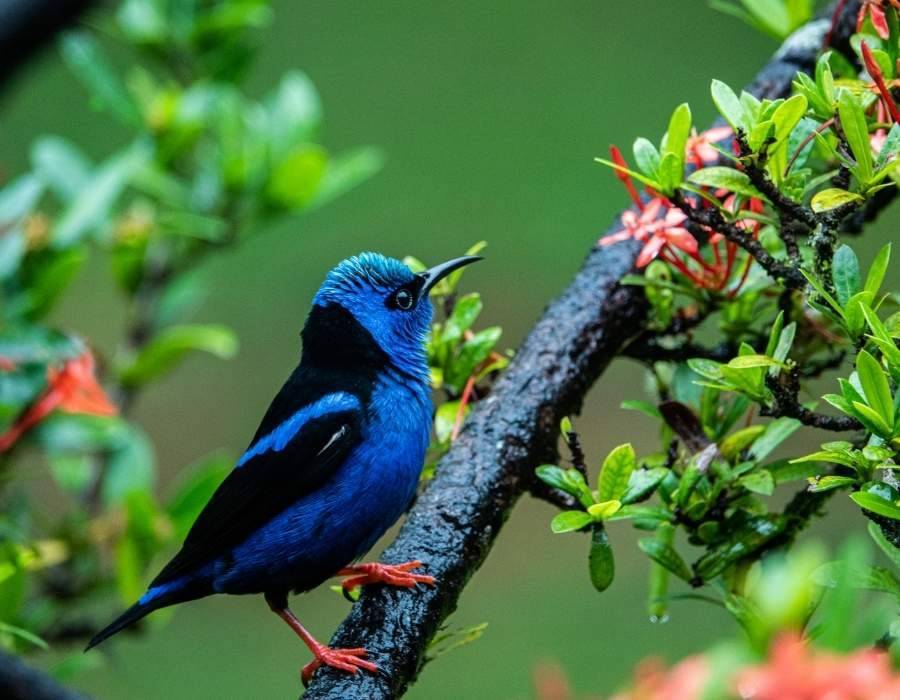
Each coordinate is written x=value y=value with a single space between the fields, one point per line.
x=20 y=682
x=454 y=523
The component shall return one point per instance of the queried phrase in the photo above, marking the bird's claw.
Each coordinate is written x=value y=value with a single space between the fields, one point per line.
x=349 y=660
x=391 y=574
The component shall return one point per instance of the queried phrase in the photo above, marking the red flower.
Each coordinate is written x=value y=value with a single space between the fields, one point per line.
x=699 y=149
x=73 y=389
x=796 y=671
x=654 y=231
x=875 y=10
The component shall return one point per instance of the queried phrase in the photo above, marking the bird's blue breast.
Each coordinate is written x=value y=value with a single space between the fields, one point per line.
x=343 y=518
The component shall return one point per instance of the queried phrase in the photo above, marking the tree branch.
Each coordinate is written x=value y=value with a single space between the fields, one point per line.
x=20 y=682
x=454 y=523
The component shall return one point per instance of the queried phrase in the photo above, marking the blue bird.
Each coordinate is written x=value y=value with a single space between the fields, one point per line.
x=332 y=466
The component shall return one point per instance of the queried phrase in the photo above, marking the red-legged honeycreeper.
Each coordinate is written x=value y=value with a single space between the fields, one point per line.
x=332 y=466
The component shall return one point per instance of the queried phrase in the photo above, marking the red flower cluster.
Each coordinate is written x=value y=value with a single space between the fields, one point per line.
x=657 y=223
x=793 y=671
x=874 y=10
x=72 y=388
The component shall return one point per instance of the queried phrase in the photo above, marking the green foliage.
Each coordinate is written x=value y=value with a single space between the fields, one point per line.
x=203 y=166
x=776 y=18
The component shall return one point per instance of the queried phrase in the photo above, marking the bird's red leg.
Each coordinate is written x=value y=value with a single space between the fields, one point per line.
x=390 y=574
x=348 y=660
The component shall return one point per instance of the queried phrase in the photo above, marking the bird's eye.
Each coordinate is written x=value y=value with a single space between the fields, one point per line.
x=403 y=299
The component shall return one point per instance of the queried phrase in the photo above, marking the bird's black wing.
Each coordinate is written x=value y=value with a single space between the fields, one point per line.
x=285 y=460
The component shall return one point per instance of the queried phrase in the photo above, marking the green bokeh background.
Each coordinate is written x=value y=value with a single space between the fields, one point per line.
x=489 y=115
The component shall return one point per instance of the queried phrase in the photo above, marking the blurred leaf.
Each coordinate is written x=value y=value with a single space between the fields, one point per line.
x=465 y=312
x=601 y=563
x=648 y=409
x=890 y=551
x=196 y=487
x=346 y=171
x=294 y=112
x=72 y=472
x=86 y=61
x=129 y=469
x=30 y=637
x=295 y=180
x=91 y=209
x=61 y=165
x=168 y=348
x=760 y=482
x=51 y=277
x=445 y=419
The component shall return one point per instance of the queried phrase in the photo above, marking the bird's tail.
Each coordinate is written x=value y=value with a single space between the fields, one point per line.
x=129 y=617
x=159 y=596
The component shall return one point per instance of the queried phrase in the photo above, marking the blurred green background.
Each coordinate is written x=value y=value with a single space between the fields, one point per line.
x=489 y=115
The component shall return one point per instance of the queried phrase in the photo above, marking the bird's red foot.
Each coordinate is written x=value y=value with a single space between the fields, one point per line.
x=348 y=660
x=390 y=574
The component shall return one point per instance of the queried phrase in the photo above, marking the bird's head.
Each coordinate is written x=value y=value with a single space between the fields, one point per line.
x=371 y=305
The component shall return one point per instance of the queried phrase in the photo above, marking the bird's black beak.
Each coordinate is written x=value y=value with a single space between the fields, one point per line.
x=433 y=275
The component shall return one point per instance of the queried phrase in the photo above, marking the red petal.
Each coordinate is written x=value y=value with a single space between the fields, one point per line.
x=650 y=251
x=879 y=21
x=681 y=239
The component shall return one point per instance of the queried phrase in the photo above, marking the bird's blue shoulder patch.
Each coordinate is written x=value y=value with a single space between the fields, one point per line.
x=277 y=439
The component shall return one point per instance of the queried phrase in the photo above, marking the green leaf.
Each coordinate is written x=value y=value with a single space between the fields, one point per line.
x=671 y=172
x=875 y=386
x=569 y=480
x=819 y=484
x=570 y=520
x=728 y=104
x=465 y=312
x=787 y=116
x=876 y=504
x=445 y=420
x=665 y=555
x=748 y=361
x=870 y=578
x=605 y=509
x=472 y=353
x=832 y=198
x=678 y=132
x=845 y=274
x=775 y=433
x=636 y=175
x=878 y=268
x=744 y=541
x=706 y=368
x=871 y=419
x=646 y=157
x=727 y=178
x=172 y=344
x=601 y=563
x=740 y=440
x=642 y=483
x=616 y=472
x=760 y=482
x=853 y=122
x=86 y=61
